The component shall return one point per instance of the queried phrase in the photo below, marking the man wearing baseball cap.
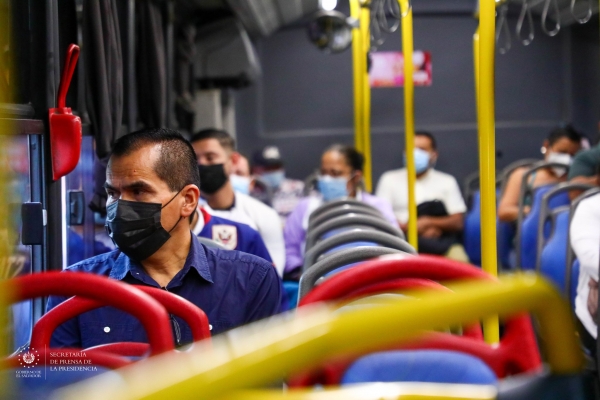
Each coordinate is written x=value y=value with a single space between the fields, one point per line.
x=267 y=164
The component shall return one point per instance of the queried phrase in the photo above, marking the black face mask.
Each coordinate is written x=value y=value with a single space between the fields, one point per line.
x=135 y=227
x=212 y=178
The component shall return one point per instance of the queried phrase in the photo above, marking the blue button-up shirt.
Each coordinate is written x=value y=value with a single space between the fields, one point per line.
x=231 y=287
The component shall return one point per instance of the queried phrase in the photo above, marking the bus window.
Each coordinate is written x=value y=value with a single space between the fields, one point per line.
x=86 y=237
x=19 y=261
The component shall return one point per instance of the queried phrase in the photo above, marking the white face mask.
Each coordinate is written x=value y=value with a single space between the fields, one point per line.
x=561 y=158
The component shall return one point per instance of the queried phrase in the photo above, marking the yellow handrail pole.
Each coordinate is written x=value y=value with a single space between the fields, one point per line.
x=409 y=118
x=357 y=52
x=7 y=235
x=262 y=353
x=476 y=69
x=487 y=148
x=365 y=19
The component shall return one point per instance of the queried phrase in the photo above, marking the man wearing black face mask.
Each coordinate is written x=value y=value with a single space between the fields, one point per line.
x=216 y=156
x=152 y=186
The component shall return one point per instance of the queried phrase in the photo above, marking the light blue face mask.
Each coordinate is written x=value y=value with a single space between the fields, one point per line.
x=240 y=183
x=274 y=178
x=422 y=159
x=332 y=188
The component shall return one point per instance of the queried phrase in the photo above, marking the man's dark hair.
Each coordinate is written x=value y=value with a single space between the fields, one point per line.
x=224 y=138
x=353 y=157
x=429 y=136
x=567 y=132
x=176 y=164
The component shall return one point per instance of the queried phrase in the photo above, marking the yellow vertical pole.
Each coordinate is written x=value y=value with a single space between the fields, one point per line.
x=487 y=147
x=365 y=19
x=7 y=129
x=409 y=118
x=476 y=69
x=357 y=52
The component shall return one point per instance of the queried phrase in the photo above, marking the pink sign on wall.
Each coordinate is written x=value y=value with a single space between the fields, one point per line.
x=387 y=69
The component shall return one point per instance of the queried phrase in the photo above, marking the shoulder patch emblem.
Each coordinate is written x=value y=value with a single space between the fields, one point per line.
x=225 y=235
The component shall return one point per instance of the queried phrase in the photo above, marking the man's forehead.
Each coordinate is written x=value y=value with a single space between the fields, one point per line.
x=208 y=145
x=423 y=141
x=139 y=163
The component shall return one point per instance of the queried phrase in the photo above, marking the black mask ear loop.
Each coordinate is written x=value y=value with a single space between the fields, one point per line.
x=169 y=202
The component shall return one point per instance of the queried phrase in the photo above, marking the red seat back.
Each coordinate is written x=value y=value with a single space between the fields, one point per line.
x=517 y=351
x=151 y=314
x=177 y=305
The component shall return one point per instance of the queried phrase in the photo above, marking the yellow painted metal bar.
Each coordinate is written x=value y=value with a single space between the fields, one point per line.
x=357 y=52
x=485 y=59
x=362 y=91
x=476 y=69
x=365 y=20
x=377 y=391
x=409 y=118
x=263 y=352
x=7 y=236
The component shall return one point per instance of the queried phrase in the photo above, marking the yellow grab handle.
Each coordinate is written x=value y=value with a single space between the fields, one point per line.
x=263 y=352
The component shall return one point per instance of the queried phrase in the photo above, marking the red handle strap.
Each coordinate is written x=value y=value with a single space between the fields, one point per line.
x=67 y=74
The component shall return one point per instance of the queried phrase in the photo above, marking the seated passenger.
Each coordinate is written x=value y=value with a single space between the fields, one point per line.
x=216 y=155
x=585 y=237
x=440 y=204
x=287 y=192
x=240 y=175
x=341 y=176
x=560 y=146
x=152 y=185
x=230 y=234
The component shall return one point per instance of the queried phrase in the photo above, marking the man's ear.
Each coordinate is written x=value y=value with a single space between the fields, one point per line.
x=545 y=146
x=191 y=195
x=235 y=157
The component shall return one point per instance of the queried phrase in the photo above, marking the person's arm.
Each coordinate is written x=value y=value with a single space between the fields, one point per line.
x=269 y=227
x=258 y=248
x=294 y=235
x=508 y=209
x=266 y=291
x=450 y=223
x=586 y=180
x=68 y=333
x=585 y=235
x=384 y=188
x=384 y=191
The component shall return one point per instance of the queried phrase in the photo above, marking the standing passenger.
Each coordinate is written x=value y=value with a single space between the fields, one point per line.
x=152 y=186
x=216 y=155
x=287 y=193
x=341 y=176
x=440 y=204
x=584 y=167
x=585 y=236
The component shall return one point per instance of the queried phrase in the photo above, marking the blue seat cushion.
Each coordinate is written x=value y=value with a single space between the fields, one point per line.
x=438 y=366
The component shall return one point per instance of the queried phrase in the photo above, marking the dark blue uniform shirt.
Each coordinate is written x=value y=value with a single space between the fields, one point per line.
x=233 y=235
x=232 y=288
